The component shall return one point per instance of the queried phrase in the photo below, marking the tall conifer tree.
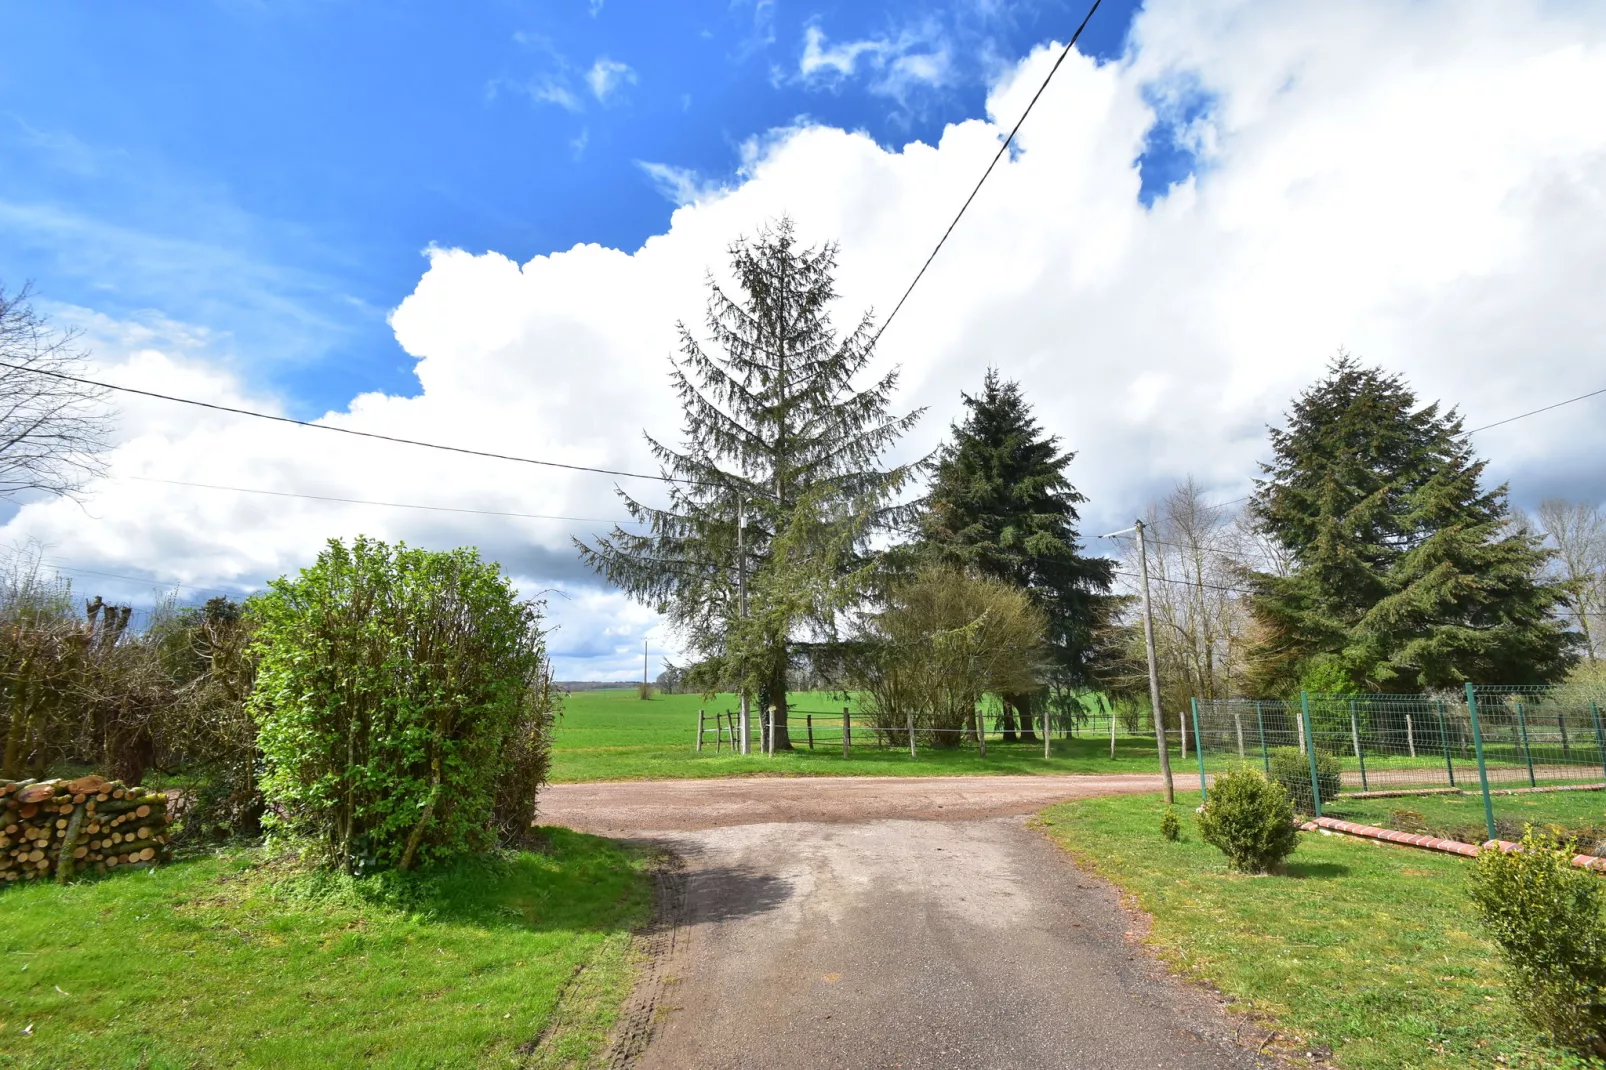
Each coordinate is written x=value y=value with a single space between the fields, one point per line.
x=1407 y=574
x=1002 y=506
x=774 y=425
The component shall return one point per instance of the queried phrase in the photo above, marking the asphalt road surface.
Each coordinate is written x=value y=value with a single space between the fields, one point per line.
x=914 y=941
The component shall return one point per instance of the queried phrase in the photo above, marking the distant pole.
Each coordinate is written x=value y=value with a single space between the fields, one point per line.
x=1112 y=731
x=643 y=668
x=1154 y=672
x=1048 y=719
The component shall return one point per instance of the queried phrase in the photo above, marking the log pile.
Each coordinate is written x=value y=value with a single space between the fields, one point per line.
x=56 y=828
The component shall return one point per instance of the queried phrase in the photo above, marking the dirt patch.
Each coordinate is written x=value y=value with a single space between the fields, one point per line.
x=613 y=807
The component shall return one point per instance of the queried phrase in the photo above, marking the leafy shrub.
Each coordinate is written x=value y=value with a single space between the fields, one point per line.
x=1251 y=819
x=1546 y=917
x=403 y=702
x=1170 y=827
x=1290 y=767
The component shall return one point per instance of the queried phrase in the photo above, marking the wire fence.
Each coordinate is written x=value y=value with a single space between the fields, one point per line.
x=848 y=730
x=1498 y=742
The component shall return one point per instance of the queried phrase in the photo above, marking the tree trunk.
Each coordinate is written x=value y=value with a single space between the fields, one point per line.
x=1006 y=718
x=1023 y=704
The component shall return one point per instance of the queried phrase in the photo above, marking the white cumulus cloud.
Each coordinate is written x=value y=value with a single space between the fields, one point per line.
x=1423 y=184
x=606 y=76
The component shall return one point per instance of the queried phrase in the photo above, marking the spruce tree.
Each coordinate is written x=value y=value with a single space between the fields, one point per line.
x=1001 y=506
x=776 y=429
x=1407 y=574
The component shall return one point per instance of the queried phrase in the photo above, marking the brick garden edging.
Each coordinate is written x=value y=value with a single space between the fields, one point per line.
x=1432 y=843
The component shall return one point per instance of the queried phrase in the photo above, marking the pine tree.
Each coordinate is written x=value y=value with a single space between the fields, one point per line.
x=1407 y=574
x=774 y=430
x=1001 y=506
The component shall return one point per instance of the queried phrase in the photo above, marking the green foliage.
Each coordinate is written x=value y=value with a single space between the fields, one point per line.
x=396 y=690
x=780 y=430
x=1170 y=827
x=1251 y=820
x=1290 y=767
x=1407 y=573
x=1001 y=505
x=946 y=639
x=1545 y=915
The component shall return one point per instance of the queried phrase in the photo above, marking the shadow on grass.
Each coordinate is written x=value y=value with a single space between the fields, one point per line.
x=573 y=882
x=1315 y=870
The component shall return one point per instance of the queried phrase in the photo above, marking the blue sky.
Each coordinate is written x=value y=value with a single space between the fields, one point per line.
x=270 y=172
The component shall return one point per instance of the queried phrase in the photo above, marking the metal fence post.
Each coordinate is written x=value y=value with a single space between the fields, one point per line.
x=1198 y=748
x=1355 y=737
x=1048 y=731
x=1310 y=750
x=1600 y=741
x=1483 y=769
x=1112 y=734
x=1444 y=740
x=911 y=715
x=769 y=742
x=1528 y=755
x=847 y=732
x=1260 y=723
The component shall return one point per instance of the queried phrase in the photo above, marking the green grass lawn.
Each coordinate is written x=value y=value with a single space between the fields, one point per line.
x=1370 y=950
x=227 y=962
x=613 y=735
x=1460 y=817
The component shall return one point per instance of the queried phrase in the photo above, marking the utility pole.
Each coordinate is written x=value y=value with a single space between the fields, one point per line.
x=644 y=667
x=741 y=608
x=1154 y=671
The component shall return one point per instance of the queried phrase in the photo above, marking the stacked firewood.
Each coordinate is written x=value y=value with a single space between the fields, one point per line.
x=61 y=827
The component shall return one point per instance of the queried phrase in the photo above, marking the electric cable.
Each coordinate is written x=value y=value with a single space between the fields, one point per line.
x=979 y=182
x=351 y=431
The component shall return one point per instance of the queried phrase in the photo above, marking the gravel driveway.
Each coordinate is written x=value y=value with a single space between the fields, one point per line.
x=889 y=923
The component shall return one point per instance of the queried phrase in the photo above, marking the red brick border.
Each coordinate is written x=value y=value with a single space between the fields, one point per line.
x=1432 y=843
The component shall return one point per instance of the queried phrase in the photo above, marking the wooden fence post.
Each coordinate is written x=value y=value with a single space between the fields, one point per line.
x=770 y=743
x=809 y=719
x=699 y=731
x=911 y=715
x=1112 y=735
x=1182 y=732
x=847 y=732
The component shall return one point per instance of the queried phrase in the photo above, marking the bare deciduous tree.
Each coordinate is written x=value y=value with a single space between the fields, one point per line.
x=52 y=430
x=1578 y=531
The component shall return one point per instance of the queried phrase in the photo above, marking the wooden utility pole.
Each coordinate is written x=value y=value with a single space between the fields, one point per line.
x=1154 y=671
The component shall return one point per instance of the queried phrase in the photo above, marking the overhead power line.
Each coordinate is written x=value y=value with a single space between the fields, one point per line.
x=1066 y=51
x=147 y=580
x=388 y=505
x=1536 y=412
x=1185 y=583
x=350 y=431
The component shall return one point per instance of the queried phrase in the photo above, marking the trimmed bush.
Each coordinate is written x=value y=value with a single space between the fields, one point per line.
x=1290 y=767
x=403 y=703
x=1545 y=915
x=1170 y=827
x=1251 y=819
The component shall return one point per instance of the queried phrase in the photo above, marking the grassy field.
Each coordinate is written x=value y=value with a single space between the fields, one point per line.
x=229 y=962
x=1366 y=950
x=1460 y=817
x=613 y=735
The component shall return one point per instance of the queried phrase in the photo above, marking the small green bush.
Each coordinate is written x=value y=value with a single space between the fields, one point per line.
x=1170 y=827
x=404 y=706
x=1251 y=819
x=1546 y=917
x=1290 y=767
